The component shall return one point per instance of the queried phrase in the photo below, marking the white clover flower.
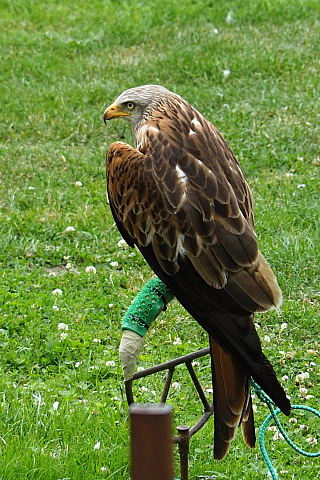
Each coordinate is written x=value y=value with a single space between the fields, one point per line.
x=68 y=266
x=229 y=18
x=301 y=185
x=91 y=269
x=30 y=188
x=140 y=369
x=54 y=307
x=273 y=428
x=63 y=326
x=110 y=363
x=304 y=427
x=302 y=376
x=143 y=389
x=57 y=292
x=77 y=364
x=70 y=229
x=226 y=73
x=111 y=306
x=56 y=452
x=195 y=364
x=267 y=338
x=311 y=440
x=177 y=341
x=114 y=264
x=176 y=386
x=293 y=420
x=284 y=378
x=303 y=390
x=104 y=470
x=78 y=184
x=122 y=243
x=278 y=436
x=96 y=340
x=55 y=405
x=63 y=336
x=97 y=446
x=313 y=364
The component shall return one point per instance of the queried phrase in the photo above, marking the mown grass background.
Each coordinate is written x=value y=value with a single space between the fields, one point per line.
x=252 y=68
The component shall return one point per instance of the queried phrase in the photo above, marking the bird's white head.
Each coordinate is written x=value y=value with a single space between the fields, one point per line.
x=135 y=104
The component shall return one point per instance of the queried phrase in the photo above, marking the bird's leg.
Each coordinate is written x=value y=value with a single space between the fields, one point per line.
x=145 y=308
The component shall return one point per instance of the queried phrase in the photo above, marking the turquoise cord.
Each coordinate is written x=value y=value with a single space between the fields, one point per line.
x=274 y=416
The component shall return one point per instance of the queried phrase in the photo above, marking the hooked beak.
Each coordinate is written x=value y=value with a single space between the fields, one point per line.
x=114 y=112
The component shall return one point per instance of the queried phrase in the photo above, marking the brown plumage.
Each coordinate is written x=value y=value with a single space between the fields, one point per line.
x=181 y=197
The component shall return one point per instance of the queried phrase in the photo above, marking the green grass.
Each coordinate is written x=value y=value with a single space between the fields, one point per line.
x=62 y=63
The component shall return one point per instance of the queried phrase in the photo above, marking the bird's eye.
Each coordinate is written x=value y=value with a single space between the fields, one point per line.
x=130 y=105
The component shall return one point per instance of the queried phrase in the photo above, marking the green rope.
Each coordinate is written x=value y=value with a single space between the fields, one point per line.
x=274 y=416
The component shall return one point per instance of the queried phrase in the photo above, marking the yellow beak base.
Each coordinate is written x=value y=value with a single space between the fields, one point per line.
x=114 y=112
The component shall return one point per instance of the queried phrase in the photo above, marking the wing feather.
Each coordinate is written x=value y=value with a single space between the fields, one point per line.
x=198 y=202
x=232 y=400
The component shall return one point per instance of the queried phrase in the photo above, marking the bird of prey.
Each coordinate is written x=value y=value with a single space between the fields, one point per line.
x=181 y=197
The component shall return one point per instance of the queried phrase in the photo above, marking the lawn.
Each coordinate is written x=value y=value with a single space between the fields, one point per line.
x=252 y=68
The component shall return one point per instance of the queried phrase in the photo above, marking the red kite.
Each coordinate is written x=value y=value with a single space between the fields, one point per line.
x=181 y=197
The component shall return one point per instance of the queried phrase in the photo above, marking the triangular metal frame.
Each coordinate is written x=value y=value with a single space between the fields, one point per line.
x=184 y=432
